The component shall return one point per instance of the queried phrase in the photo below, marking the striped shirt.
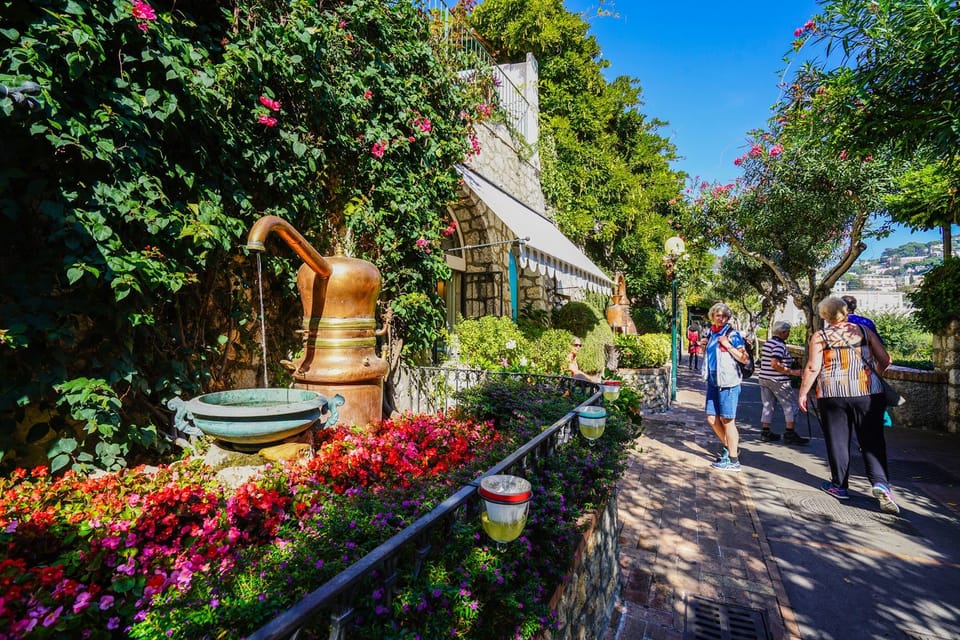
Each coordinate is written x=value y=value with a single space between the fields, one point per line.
x=845 y=373
x=774 y=349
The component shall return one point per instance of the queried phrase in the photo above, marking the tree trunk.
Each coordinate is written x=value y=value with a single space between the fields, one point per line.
x=947 y=241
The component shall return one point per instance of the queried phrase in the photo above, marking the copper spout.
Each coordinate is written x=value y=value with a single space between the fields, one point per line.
x=262 y=228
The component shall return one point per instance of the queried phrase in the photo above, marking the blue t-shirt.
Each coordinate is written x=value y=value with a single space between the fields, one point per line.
x=713 y=346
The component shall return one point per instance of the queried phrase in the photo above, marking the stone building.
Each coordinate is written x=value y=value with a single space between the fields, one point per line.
x=506 y=253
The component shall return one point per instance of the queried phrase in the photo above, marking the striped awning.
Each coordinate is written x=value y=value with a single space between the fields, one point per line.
x=545 y=249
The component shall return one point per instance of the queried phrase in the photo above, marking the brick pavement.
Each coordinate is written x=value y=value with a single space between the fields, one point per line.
x=689 y=531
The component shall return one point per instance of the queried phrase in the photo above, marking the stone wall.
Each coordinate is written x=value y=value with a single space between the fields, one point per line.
x=926 y=394
x=653 y=385
x=584 y=602
x=946 y=358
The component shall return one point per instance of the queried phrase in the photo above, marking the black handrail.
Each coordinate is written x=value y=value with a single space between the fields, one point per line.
x=339 y=589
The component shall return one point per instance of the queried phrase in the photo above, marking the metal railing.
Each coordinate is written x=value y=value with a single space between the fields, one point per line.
x=510 y=98
x=432 y=389
x=337 y=596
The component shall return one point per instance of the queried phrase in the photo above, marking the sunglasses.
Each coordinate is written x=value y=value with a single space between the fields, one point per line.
x=577 y=344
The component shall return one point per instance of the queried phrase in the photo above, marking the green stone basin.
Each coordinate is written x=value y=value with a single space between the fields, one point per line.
x=253 y=418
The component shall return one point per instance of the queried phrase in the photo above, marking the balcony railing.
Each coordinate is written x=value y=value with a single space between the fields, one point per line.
x=510 y=98
x=407 y=550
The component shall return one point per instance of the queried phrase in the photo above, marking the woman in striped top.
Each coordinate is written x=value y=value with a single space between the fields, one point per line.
x=849 y=399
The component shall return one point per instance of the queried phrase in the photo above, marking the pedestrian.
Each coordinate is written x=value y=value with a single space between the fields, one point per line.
x=850 y=399
x=851 y=303
x=693 y=348
x=725 y=347
x=776 y=368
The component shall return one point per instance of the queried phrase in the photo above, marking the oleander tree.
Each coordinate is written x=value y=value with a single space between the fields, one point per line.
x=165 y=130
x=800 y=208
x=894 y=87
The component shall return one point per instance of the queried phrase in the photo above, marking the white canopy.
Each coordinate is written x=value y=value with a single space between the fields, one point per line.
x=547 y=250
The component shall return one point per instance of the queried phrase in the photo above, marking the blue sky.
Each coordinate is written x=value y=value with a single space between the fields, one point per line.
x=712 y=70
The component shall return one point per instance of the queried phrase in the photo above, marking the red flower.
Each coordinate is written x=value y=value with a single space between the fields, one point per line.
x=378 y=148
x=776 y=150
x=267 y=120
x=367 y=94
x=273 y=105
x=738 y=161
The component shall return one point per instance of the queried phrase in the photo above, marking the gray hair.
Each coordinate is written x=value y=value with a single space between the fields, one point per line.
x=719 y=307
x=779 y=327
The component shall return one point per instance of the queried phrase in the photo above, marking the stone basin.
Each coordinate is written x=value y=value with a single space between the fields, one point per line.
x=254 y=418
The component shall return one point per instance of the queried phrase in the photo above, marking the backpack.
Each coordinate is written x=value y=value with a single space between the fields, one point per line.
x=746 y=370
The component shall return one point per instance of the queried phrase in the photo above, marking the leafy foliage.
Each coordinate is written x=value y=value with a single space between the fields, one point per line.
x=643 y=351
x=936 y=299
x=164 y=134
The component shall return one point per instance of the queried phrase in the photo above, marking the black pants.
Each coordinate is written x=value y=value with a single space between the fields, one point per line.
x=841 y=418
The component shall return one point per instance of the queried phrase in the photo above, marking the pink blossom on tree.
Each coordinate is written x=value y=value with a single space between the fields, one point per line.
x=378 y=148
x=273 y=105
x=776 y=150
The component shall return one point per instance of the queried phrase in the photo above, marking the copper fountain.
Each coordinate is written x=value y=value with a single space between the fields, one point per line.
x=339 y=297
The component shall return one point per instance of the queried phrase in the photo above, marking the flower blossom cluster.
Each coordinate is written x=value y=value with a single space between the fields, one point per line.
x=265 y=118
x=144 y=14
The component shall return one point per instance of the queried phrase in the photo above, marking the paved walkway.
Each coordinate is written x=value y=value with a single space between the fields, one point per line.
x=764 y=554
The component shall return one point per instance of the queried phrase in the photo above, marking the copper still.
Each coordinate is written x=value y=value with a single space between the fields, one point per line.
x=618 y=311
x=339 y=297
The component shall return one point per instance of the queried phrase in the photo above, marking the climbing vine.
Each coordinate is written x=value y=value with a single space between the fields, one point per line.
x=165 y=130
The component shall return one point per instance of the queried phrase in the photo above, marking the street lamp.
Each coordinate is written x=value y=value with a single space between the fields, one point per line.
x=675 y=248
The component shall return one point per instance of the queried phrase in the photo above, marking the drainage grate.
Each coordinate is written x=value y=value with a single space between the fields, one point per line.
x=708 y=620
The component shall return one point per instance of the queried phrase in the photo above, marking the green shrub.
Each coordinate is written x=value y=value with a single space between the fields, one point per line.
x=644 y=351
x=650 y=320
x=578 y=318
x=592 y=358
x=490 y=342
x=936 y=300
x=903 y=336
x=548 y=352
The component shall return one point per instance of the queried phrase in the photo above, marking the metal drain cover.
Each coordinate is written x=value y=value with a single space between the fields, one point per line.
x=708 y=620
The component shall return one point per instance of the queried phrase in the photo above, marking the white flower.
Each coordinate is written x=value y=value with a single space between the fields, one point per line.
x=511 y=344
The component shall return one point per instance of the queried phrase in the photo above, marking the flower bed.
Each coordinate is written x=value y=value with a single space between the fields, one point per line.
x=169 y=553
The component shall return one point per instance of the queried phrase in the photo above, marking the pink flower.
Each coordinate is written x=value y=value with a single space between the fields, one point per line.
x=756 y=150
x=273 y=105
x=378 y=148
x=738 y=161
x=809 y=25
x=342 y=24
x=367 y=94
x=411 y=139
x=868 y=159
x=425 y=125
x=484 y=109
x=797 y=32
x=422 y=243
x=843 y=154
x=776 y=150
x=142 y=11
x=267 y=120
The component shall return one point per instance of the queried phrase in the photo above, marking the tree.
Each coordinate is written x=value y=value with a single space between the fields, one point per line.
x=899 y=75
x=800 y=209
x=606 y=172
